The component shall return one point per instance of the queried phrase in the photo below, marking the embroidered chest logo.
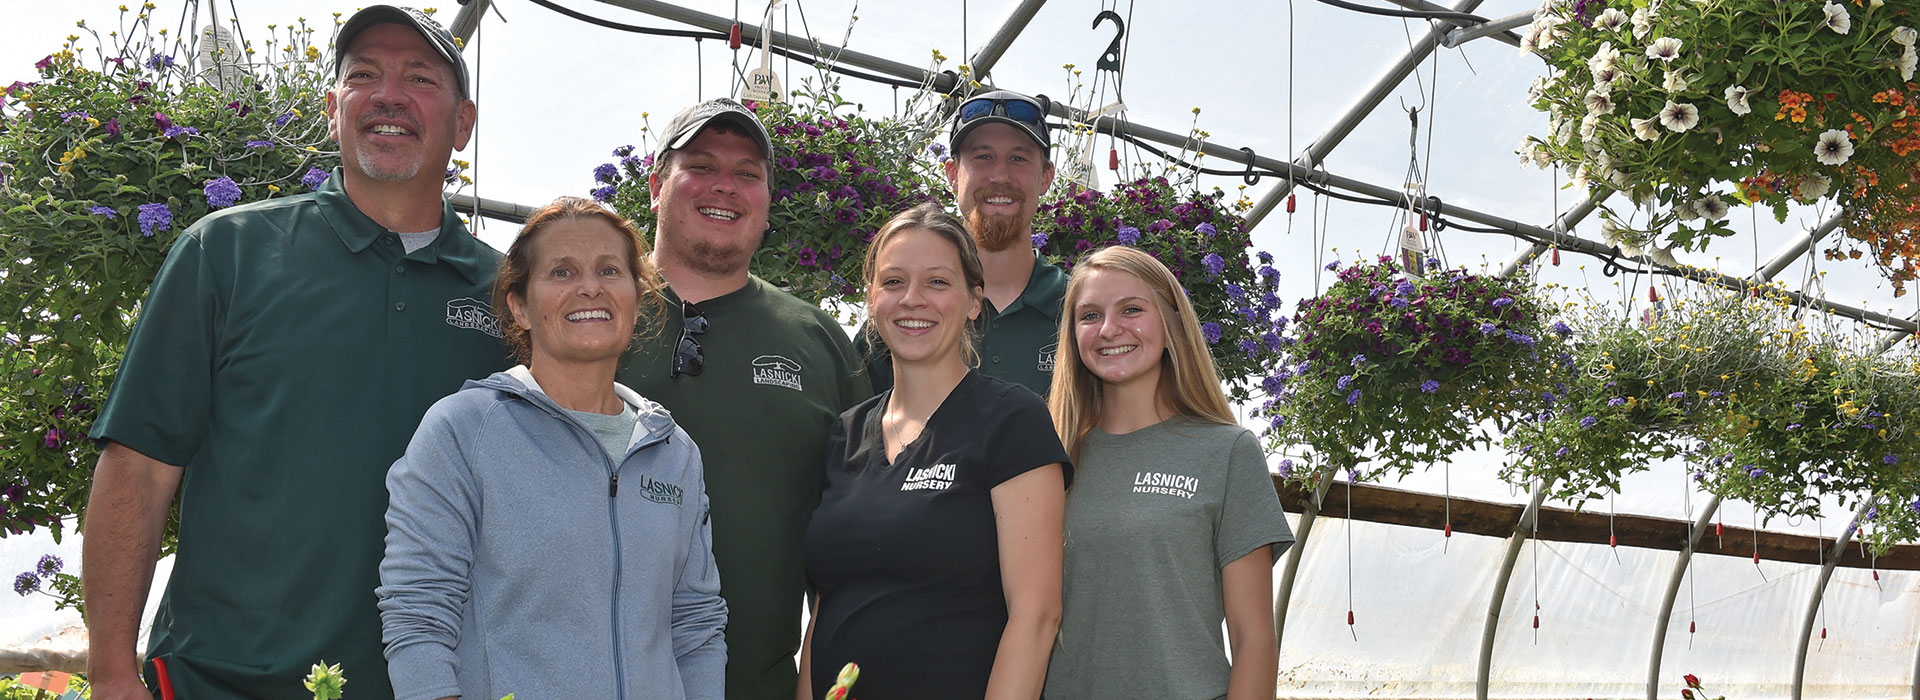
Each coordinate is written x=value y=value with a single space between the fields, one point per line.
x=473 y=314
x=1169 y=484
x=660 y=491
x=777 y=370
x=1045 y=362
x=938 y=477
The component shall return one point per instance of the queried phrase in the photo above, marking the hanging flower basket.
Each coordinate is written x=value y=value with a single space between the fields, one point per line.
x=1202 y=242
x=1394 y=372
x=118 y=146
x=1693 y=107
x=1766 y=410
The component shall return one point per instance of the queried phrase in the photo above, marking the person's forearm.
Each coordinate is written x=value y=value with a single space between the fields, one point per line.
x=1020 y=664
x=126 y=515
x=1256 y=667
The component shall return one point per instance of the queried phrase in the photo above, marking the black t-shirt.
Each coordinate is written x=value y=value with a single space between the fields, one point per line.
x=905 y=556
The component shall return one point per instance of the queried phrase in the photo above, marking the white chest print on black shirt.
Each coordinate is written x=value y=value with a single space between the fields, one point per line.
x=1044 y=362
x=777 y=371
x=1169 y=484
x=473 y=314
x=938 y=477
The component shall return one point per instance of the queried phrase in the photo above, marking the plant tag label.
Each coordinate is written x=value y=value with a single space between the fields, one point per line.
x=763 y=85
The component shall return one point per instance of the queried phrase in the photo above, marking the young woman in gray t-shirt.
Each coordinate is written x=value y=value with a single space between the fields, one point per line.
x=1173 y=524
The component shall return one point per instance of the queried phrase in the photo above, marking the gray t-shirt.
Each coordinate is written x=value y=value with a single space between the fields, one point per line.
x=1152 y=518
x=614 y=431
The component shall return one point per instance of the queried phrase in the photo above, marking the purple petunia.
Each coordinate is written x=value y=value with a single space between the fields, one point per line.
x=221 y=192
x=1129 y=235
x=154 y=216
x=108 y=212
x=314 y=178
x=1210 y=331
x=1429 y=386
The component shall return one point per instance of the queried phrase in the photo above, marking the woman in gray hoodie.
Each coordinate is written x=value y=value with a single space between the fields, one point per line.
x=547 y=530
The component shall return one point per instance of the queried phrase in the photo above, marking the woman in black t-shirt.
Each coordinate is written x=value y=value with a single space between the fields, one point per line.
x=936 y=549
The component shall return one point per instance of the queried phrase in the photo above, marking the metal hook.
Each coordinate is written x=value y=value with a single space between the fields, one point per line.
x=1251 y=178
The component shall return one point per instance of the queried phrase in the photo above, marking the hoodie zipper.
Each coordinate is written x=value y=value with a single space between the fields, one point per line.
x=613 y=523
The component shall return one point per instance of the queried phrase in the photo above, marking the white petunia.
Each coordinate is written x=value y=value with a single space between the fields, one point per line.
x=1812 y=188
x=1527 y=151
x=1737 y=100
x=1617 y=178
x=1610 y=20
x=1710 y=207
x=1588 y=125
x=1601 y=161
x=1603 y=58
x=1580 y=183
x=1546 y=31
x=1904 y=36
x=1642 y=23
x=1683 y=211
x=1562 y=132
x=1676 y=81
x=1837 y=18
x=1907 y=60
x=1538 y=90
x=1603 y=80
x=1665 y=48
x=1833 y=148
x=1679 y=116
x=1599 y=103
x=1646 y=129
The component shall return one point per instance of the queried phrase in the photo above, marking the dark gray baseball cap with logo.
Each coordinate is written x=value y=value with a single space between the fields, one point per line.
x=687 y=124
x=436 y=36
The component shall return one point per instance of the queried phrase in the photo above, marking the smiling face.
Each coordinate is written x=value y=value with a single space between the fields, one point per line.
x=396 y=112
x=1119 y=328
x=711 y=199
x=999 y=174
x=918 y=298
x=581 y=296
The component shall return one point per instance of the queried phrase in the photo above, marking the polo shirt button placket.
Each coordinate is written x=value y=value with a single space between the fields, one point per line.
x=996 y=359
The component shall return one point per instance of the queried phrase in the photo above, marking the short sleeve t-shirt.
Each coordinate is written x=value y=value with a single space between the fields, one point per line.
x=1155 y=516
x=905 y=555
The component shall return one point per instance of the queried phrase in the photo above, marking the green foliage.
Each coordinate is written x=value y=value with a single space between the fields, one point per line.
x=1765 y=410
x=838 y=175
x=325 y=681
x=105 y=160
x=12 y=689
x=1394 y=372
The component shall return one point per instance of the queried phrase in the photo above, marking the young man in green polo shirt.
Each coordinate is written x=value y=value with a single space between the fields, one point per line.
x=284 y=357
x=1001 y=166
x=755 y=376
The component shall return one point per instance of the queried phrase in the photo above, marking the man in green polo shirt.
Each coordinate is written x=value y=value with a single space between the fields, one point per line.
x=284 y=357
x=1001 y=166
x=755 y=375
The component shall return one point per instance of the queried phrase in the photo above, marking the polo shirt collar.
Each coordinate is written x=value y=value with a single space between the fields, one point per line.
x=454 y=247
x=1046 y=287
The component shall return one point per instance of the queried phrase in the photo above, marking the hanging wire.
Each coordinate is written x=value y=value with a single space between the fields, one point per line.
x=1756 y=544
x=1820 y=559
x=1350 y=628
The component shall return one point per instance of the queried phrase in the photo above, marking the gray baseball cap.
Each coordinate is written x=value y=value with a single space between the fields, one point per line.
x=1028 y=114
x=687 y=124
x=436 y=36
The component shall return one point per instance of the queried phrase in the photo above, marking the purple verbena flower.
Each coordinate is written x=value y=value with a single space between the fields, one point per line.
x=221 y=192
x=1214 y=264
x=1589 y=422
x=1890 y=459
x=1488 y=328
x=1206 y=229
x=1562 y=329
x=1040 y=240
x=1129 y=235
x=108 y=212
x=49 y=565
x=1502 y=302
x=1677 y=395
x=1754 y=472
x=1353 y=398
x=603 y=193
x=314 y=178
x=26 y=583
x=605 y=172
x=182 y=132
x=1429 y=386
x=258 y=143
x=154 y=216
x=1210 y=331
x=1615 y=401
x=1343 y=381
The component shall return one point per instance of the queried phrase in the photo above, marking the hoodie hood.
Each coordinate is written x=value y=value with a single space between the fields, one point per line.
x=655 y=424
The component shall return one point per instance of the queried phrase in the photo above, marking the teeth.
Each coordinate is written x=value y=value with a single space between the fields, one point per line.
x=600 y=314
x=913 y=323
x=999 y=200
x=719 y=213
x=1122 y=350
x=389 y=129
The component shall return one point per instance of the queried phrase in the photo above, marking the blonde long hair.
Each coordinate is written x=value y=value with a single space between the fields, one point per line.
x=1188 y=382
